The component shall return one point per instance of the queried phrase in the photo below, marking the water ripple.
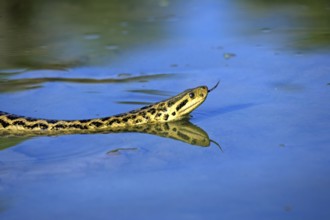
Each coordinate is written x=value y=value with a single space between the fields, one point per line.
x=14 y=85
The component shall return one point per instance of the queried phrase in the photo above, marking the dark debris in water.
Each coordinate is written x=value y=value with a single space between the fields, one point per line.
x=228 y=56
x=288 y=87
x=117 y=151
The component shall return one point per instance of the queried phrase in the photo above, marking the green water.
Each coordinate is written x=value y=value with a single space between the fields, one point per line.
x=270 y=114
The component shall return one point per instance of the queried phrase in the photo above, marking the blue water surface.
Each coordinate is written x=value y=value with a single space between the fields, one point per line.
x=86 y=59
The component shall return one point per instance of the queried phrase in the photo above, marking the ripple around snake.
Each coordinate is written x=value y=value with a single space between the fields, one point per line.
x=50 y=149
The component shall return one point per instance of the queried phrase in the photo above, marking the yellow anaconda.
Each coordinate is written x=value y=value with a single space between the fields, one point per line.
x=172 y=109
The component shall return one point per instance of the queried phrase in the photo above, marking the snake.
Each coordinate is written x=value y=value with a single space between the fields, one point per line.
x=172 y=109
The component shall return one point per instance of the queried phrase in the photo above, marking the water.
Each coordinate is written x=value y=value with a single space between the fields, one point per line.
x=270 y=113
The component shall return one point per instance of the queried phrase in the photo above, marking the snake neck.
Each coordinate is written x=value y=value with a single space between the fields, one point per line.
x=172 y=109
x=159 y=112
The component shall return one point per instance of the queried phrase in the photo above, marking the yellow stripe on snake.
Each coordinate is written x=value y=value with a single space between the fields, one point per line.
x=148 y=119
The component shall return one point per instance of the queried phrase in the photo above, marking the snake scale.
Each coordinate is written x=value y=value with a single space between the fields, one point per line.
x=172 y=109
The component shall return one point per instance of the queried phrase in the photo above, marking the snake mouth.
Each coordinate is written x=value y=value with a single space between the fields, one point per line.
x=190 y=108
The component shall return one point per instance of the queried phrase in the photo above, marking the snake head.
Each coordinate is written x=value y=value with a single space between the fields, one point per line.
x=181 y=105
x=190 y=100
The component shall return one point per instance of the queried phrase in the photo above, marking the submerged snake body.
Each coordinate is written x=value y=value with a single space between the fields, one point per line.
x=172 y=109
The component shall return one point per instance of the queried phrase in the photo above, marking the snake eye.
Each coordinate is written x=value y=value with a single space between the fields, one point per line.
x=192 y=95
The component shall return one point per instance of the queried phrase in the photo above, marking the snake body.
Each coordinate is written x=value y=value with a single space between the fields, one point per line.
x=172 y=109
